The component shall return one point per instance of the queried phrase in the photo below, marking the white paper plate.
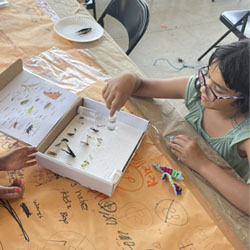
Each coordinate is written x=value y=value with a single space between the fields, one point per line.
x=68 y=26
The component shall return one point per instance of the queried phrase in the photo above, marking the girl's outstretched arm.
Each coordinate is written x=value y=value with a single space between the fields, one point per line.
x=234 y=190
x=117 y=90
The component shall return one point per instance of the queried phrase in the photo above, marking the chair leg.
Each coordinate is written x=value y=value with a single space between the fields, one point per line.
x=245 y=17
x=214 y=45
x=94 y=9
x=91 y=5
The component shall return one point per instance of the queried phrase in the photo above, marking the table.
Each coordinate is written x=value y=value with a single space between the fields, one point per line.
x=65 y=215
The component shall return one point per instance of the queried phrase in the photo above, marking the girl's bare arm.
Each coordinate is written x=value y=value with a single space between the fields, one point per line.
x=234 y=190
x=118 y=90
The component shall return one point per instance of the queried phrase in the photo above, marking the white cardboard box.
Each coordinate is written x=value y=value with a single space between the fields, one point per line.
x=44 y=115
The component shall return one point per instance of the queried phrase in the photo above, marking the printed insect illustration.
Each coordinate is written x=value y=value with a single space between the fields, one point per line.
x=28 y=130
x=47 y=105
x=30 y=110
x=15 y=124
x=24 y=102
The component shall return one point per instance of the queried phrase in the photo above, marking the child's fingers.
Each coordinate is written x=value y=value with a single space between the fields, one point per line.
x=31 y=150
x=104 y=91
x=122 y=102
x=22 y=151
x=176 y=153
x=31 y=163
x=176 y=146
x=182 y=137
x=105 y=95
x=180 y=140
x=115 y=104
x=10 y=193
x=109 y=100
x=31 y=157
x=18 y=182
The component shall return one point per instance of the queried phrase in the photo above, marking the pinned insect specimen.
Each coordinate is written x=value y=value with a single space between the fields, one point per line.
x=64 y=140
x=85 y=163
x=87 y=140
x=100 y=125
x=99 y=141
x=81 y=118
x=52 y=153
x=55 y=150
x=71 y=134
x=68 y=150
x=58 y=144
x=95 y=130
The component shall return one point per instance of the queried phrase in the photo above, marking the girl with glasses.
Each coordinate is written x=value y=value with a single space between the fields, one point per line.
x=16 y=159
x=218 y=103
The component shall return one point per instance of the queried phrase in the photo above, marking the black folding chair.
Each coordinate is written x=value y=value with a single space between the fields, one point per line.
x=237 y=22
x=132 y=14
x=90 y=5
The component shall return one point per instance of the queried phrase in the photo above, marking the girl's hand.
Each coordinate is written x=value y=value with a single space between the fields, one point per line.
x=117 y=91
x=188 y=152
x=18 y=158
x=12 y=192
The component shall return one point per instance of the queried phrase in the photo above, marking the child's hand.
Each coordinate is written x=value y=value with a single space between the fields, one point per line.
x=117 y=91
x=18 y=158
x=12 y=192
x=188 y=152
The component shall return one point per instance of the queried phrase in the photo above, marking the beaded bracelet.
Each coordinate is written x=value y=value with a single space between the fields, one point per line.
x=170 y=173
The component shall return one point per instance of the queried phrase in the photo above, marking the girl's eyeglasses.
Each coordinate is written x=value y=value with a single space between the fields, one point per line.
x=211 y=96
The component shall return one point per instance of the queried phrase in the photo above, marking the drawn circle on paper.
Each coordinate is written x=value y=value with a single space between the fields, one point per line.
x=67 y=240
x=135 y=215
x=132 y=180
x=171 y=212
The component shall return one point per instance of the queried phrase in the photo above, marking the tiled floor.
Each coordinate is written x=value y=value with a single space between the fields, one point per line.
x=191 y=27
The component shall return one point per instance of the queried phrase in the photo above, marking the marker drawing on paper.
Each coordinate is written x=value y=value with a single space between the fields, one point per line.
x=12 y=212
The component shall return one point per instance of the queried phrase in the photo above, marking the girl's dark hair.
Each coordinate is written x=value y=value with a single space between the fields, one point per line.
x=233 y=62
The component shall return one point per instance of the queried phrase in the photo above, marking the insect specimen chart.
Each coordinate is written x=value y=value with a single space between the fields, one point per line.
x=30 y=106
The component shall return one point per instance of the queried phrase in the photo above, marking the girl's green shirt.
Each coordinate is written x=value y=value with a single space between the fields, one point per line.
x=226 y=146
